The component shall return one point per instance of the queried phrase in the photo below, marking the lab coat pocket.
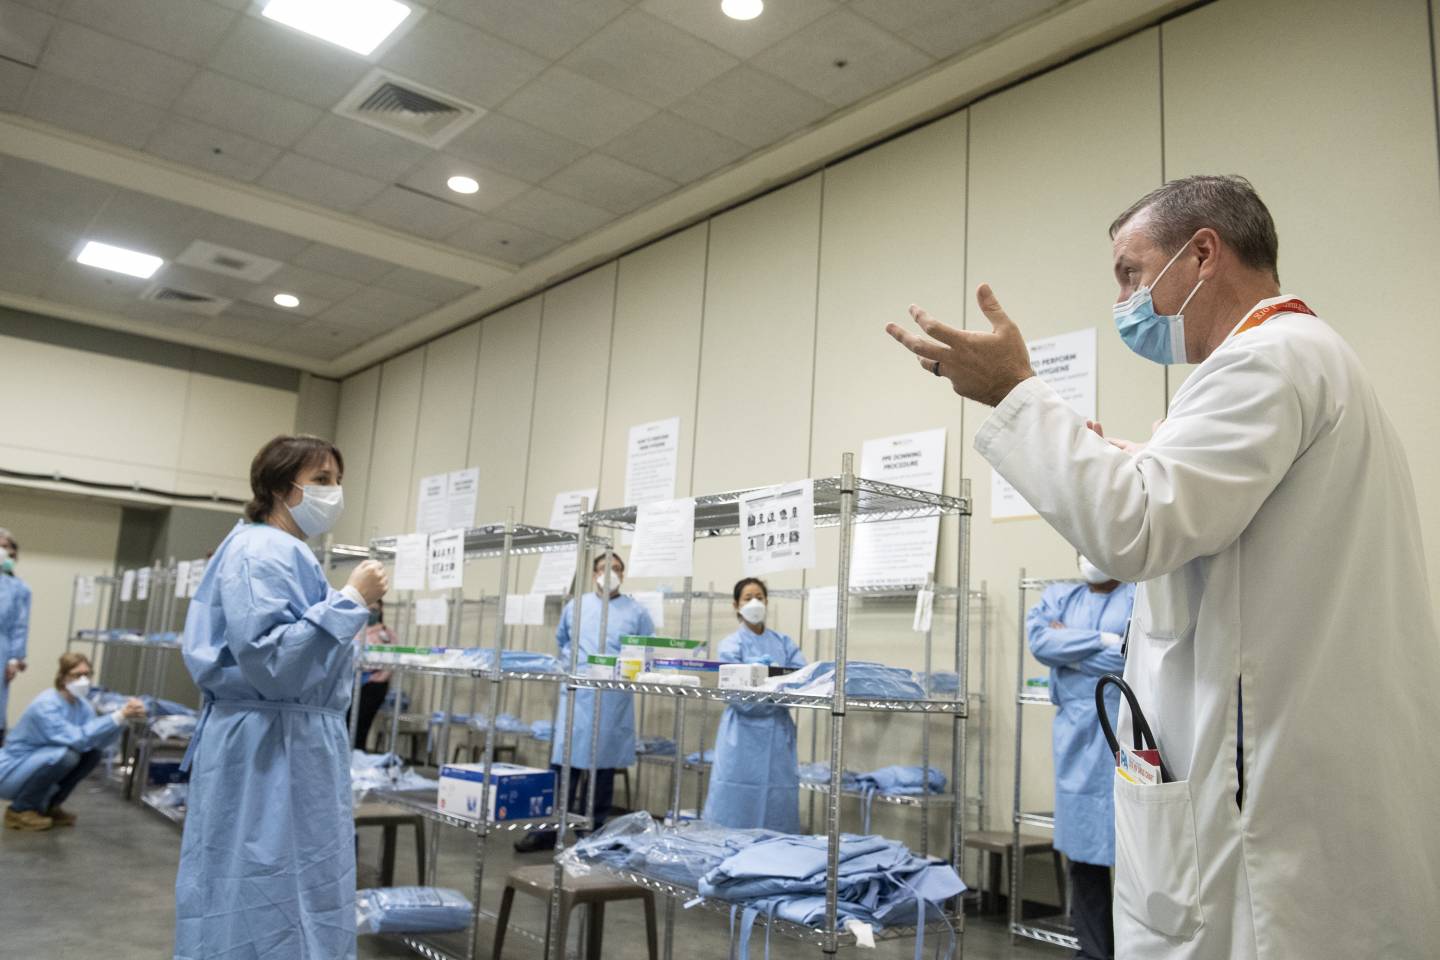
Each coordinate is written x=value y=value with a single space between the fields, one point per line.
x=1157 y=870
x=1168 y=604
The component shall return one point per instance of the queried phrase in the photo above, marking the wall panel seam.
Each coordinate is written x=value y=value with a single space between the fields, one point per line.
x=700 y=357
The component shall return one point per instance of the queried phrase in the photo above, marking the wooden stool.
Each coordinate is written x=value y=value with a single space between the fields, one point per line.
x=997 y=844
x=391 y=819
x=594 y=891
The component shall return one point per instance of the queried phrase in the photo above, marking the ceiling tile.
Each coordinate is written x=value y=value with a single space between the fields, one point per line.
x=49 y=6
x=118 y=66
x=550 y=28
x=14 y=83
x=609 y=184
x=495 y=190
x=342 y=263
x=752 y=107
x=745 y=38
x=33 y=191
x=263 y=296
x=354 y=317
x=649 y=59
x=188 y=29
x=517 y=149
x=82 y=286
x=320 y=183
x=675 y=148
x=311 y=283
x=386 y=306
x=553 y=214
x=238 y=323
x=233 y=105
x=23 y=282
x=202 y=281
x=142 y=222
x=942 y=28
x=874 y=59
x=415 y=213
x=360 y=148
x=208 y=148
x=241 y=235
x=288 y=63
x=576 y=107
x=91 y=110
x=426 y=286
x=317 y=343
x=462 y=61
x=503 y=241
x=23 y=31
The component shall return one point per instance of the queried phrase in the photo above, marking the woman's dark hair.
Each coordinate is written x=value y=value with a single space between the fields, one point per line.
x=740 y=587
x=600 y=558
x=277 y=465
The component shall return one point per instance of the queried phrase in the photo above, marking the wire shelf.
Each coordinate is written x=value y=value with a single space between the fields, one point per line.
x=424 y=803
x=872 y=704
x=171 y=814
x=1035 y=698
x=905 y=591
x=478 y=673
x=1037 y=583
x=894 y=799
x=347 y=553
x=125 y=638
x=1053 y=930
x=718 y=515
x=1045 y=820
x=786 y=928
x=668 y=760
x=489 y=541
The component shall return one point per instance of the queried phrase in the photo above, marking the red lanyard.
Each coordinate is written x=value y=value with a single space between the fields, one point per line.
x=1292 y=305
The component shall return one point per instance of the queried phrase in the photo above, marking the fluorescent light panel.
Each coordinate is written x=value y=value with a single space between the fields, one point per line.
x=742 y=9
x=130 y=262
x=358 y=25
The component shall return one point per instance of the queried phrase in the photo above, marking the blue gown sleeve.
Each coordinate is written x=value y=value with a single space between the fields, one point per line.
x=644 y=625
x=794 y=656
x=60 y=730
x=1058 y=647
x=278 y=638
x=562 y=634
x=1101 y=662
x=20 y=629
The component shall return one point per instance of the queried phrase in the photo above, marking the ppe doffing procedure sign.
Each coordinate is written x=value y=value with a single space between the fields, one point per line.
x=1067 y=363
x=777 y=528
x=901 y=552
x=556 y=571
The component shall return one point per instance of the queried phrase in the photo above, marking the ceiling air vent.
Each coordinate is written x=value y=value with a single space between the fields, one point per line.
x=185 y=300
x=204 y=255
x=408 y=109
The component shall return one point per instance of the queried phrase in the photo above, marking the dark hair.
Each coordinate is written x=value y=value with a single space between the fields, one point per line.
x=277 y=465
x=595 y=564
x=740 y=587
x=1228 y=205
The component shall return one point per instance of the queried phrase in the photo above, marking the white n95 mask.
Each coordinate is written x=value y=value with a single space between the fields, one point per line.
x=608 y=582
x=318 y=510
x=753 y=612
x=1092 y=574
x=78 y=688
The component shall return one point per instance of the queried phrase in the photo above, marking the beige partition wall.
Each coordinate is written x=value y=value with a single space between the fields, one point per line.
x=447 y=397
x=1046 y=179
x=226 y=424
x=397 y=413
x=1340 y=143
x=354 y=435
x=504 y=398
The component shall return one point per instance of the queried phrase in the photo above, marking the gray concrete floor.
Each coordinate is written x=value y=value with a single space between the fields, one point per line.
x=105 y=888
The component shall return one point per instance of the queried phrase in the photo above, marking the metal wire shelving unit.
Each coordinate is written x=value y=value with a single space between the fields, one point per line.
x=841 y=502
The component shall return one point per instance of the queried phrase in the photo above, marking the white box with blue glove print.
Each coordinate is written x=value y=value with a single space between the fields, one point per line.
x=516 y=793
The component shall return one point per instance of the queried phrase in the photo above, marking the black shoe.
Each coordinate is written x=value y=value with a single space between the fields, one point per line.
x=535 y=843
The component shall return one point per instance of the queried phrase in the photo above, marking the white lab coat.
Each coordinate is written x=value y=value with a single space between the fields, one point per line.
x=1272 y=523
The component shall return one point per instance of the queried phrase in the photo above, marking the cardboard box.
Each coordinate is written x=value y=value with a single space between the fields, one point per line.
x=601 y=667
x=516 y=793
x=743 y=676
x=707 y=671
x=650 y=649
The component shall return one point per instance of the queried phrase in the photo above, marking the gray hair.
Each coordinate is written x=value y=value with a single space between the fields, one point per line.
x=6 y=535
x=1228 y=205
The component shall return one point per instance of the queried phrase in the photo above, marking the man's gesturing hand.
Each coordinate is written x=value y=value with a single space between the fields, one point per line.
x=980 y=366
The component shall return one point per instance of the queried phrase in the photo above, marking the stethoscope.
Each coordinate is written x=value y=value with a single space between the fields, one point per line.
x=1142 y=734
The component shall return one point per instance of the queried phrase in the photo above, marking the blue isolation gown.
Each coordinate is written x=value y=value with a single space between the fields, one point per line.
x=756 y=781
x=14 y=629
x=1077 y=658
x=50 y=726
x=267 y=864
x=627 y=618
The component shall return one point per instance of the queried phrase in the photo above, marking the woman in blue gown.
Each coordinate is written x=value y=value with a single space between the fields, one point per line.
x=267 y=863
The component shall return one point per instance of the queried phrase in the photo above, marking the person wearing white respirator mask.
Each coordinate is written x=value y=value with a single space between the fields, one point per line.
x=1077 y=630
x=56 y=744
x=625 y=618
x=14 y=619
x=756 y=778
x=267 y=863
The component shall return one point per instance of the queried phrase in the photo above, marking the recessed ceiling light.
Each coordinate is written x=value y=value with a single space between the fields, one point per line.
x=286 y=300
x=463 y=184
x=131 y=262
x=742 y=9
x=358 y=25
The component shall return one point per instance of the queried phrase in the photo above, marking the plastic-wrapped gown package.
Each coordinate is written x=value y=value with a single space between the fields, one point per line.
x=411 y=910
x=862 y=679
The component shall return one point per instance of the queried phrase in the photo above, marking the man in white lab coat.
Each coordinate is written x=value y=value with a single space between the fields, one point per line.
x=1284 y=647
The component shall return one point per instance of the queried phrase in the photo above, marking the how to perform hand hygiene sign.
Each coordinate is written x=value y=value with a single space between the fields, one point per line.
x=777 y=528
x=900 y=553
x=651 y=459
x=1067 y=363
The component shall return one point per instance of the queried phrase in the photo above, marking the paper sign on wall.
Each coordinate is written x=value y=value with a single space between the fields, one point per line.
x=85 y=591
x=777 y=528
x=197 y=573
x=182 y=579
x=924 y=611
x=820 y=605
x=410 y=559
x=654 y=603
x=447 y=554
x=142 y=583
x=565 y=511
x=1067 y=363
x=514 y=609
x=431 y=612
x=556 y=571
x=127 y=586
x=461 y=489
x=651 y=458
x=901 y=552
x=534 y=612
x=664 y=539
x=431 y=506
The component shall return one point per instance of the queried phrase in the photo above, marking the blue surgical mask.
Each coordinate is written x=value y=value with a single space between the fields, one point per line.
x=7 y=562
x=1152 y=335
x=319 y=510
